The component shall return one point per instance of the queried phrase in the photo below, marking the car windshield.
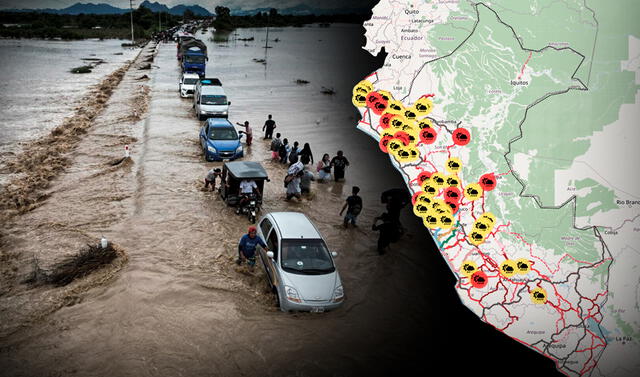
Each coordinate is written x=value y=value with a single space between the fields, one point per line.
x=190 y=81
x=306 y=256
x=194 y=59
x=213 y=100
x=222 y=134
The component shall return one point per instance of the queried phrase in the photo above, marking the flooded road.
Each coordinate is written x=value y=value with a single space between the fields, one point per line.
x=178 y=305
x=37 y=89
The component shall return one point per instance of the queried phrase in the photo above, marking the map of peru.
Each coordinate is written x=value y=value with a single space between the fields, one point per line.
x=515 y=128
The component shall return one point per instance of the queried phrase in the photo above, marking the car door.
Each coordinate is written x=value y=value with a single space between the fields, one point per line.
x=204 y=132
x=264 y=227
x=273 y=243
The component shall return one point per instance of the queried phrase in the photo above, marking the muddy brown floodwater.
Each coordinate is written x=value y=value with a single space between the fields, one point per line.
x=177 y=305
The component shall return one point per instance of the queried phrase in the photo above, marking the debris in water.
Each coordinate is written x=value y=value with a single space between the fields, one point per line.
x=118 y=53
x=301 y=82
x=82 y=69
x=246 y=39
x=263 y=61
x=143 y=77
x=88 y=260
x=326 y=90
x=277 y=40
x=145 y=66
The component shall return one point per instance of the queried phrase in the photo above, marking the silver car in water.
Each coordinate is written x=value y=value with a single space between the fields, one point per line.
x=298 y=265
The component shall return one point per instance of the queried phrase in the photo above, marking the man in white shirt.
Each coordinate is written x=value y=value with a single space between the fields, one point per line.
x=247 y=187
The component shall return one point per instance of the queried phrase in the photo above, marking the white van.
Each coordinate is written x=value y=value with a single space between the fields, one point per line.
x=187 y=84
x=210 y=100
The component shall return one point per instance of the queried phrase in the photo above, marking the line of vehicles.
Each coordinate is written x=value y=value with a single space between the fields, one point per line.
x=299 y=267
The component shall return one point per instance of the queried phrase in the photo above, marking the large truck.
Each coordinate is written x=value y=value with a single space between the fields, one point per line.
x=193 y=56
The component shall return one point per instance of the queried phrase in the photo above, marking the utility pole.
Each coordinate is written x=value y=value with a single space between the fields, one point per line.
x=266 y=42
x=131 y=8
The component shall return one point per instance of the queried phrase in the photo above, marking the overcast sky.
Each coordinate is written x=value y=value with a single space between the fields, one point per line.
x=208 y=4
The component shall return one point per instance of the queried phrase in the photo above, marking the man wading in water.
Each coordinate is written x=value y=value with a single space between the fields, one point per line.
x=270 y=125
x=247 y=247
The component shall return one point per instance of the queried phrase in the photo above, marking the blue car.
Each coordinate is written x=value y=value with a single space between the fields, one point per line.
x=220 y=140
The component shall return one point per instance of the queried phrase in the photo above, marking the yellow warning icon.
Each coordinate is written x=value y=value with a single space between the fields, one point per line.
x=398 y=121
x=359 y=100
x=394 y=145
x=363 y=87
x=452 y=180
x=473 y=191
x=425 y=123
x=468 y=268
x=523 y=265
x=437 y=179
x=388 y=132
x=481 y=226
x=429 y=189
x=488 y=216
x=386 y=95
x=420 y=209
x=407 y=154
x=395 y=107
x=410 y=114
x=508 y=268
x=538 y=295
x=430 y=221
x=446 y=221
x=453 y=165
x=476 y=238
x=423 y=106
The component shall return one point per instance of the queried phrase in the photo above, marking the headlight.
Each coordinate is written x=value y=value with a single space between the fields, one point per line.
x=239 y=149
x=292 y=294
x=202 y=112
x=211 y=149
x=338 y=294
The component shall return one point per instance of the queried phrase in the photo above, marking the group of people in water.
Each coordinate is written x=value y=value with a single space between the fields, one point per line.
x=301 y=163
x=302 y=169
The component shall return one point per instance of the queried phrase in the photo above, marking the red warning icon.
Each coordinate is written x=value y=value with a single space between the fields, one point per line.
x=402 y=136
x=452 y=194
x=385 y=120
x=479 y=279
x=461 y=137
x=487 y=182
x=428 y=135
x=384 y=141
x=423 y=176
x=376 y=102
x=453 y=205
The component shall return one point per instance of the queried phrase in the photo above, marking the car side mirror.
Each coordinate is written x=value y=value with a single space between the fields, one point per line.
x=270 y=254
x=334 y=254
x=229 y=103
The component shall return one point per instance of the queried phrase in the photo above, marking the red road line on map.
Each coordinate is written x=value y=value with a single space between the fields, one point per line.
x=524 y=66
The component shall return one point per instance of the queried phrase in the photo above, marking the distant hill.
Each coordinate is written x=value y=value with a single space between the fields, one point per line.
x=103 y=8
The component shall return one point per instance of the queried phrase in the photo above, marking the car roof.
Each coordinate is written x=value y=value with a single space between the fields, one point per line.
x=212 y=90
x=295 y=225
x=210 y=81
x=246 y=169
x=219 y=122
